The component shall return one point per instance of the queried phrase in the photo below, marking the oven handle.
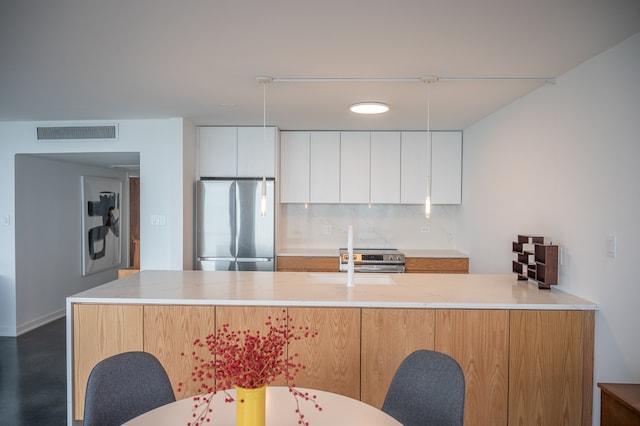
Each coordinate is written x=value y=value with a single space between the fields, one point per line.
x=369 y=268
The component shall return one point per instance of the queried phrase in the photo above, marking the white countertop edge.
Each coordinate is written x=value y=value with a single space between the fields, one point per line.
x=334 y=304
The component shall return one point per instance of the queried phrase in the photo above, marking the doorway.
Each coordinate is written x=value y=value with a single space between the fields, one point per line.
x=134 y=223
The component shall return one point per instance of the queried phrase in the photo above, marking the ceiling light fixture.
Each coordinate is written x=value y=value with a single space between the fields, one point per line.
x=369 y=107
x=263 y=199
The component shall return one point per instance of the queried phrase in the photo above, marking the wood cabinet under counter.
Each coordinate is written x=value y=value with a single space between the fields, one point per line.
x=437 y=265
x=417 y=261
x=527 y=354
x=308 y=263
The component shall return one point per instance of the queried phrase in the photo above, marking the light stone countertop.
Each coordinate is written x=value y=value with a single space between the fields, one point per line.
x=322 y=289
x=426 y=253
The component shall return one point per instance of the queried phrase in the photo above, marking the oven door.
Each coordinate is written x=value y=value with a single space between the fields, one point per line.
x=379 y=267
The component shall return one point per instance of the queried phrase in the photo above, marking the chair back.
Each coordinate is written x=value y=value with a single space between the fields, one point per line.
x=427 y=389
x=124 y=386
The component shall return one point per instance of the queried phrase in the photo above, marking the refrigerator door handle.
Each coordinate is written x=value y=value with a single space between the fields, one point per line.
x=255 y=259
x=217 y=258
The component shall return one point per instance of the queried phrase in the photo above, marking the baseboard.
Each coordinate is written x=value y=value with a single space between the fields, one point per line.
x=7 y=332
x=33 y=324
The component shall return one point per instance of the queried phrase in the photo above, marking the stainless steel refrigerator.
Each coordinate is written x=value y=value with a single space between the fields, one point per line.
x=232 y=232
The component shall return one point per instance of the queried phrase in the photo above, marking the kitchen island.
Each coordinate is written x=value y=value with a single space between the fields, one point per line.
x=527 y=354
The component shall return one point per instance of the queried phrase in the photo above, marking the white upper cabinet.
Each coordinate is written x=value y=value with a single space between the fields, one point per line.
x=256 y=151
x=236 y=151
x=360 y=167
x=218 y=154
x=355 y=164
x=294 y=167
x=446 y=174
x=324 y=173
x=385 y=167
x=415 y=167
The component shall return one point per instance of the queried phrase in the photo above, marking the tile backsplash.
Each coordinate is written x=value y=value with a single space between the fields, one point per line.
x=323 y=226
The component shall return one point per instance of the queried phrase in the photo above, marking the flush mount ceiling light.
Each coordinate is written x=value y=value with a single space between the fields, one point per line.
x=369 y=107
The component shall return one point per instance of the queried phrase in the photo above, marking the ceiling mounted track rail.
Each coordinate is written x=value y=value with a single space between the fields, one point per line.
x=428 y=79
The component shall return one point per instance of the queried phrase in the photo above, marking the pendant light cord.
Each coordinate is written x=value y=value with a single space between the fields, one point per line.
x=430 y=139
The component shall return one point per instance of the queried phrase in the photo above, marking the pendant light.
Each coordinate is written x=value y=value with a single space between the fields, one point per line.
x=263 y=199
x=427 y=202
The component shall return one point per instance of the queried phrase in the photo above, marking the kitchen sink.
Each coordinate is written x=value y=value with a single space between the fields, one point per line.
x=358 y=279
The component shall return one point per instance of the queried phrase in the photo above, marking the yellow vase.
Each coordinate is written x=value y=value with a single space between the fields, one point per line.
x=250 y=406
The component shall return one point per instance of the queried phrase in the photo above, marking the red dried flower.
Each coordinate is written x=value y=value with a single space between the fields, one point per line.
x=249 y=360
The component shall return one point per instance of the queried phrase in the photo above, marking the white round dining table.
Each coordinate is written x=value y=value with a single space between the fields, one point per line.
x=337 y=410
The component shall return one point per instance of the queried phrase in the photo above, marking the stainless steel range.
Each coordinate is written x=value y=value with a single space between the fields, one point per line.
x=373 y=260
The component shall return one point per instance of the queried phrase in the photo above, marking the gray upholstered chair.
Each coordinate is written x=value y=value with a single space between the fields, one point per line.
x=124 y=386
x=427 y=389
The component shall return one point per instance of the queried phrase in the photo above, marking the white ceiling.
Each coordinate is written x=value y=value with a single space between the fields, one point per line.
x=199 y=59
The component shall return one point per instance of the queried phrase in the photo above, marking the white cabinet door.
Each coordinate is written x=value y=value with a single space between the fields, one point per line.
x=324 y=173
x=218 y=154
x=385 y=167
x=415 y=167
x=446 y=175
x=355 y=167
x=256 y=151
x=294 y=167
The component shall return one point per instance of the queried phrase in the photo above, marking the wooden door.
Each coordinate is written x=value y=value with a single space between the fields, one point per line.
x=134 y=223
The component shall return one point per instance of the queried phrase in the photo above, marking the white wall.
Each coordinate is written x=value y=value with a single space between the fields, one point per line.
x=162 y=147
x=189 y=176
x=49 y=217
x=564 y=162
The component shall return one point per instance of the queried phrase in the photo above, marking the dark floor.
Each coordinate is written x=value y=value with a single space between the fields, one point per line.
x=33 y=389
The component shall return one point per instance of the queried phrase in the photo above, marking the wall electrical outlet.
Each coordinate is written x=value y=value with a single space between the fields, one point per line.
x=6 y=220
x=426 y=228
x=326 y=229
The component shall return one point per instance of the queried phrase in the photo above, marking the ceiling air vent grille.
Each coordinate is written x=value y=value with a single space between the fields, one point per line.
x=77 y=132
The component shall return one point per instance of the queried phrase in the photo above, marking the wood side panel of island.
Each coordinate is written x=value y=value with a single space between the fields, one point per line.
x=479 y=340
x=101 y=331
x=169 y=332
x=547 y=372
x=332 y=358
x=388 y=336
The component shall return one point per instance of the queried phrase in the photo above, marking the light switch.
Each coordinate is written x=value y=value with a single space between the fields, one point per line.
x=6 y=220
x=612 y=248
x=158 y=220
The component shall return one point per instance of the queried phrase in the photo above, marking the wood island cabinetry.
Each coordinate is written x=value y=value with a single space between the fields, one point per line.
x=521 y=367
x=389 y=335
x=527 y=362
